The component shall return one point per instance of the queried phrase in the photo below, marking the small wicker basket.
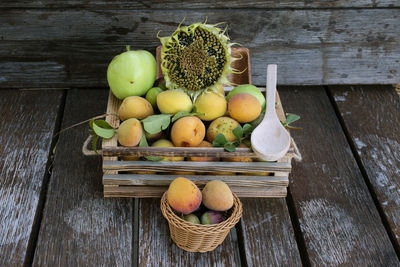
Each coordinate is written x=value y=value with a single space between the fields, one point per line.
x=197 y=237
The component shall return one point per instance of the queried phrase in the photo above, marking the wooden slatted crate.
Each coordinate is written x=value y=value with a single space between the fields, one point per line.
x=151 y=178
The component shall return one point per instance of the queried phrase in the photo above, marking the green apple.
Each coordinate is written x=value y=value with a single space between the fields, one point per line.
x=151 y=95
x=131 y=73
x=250 y=89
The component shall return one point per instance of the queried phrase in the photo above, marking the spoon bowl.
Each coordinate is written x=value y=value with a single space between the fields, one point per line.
x=270 y=140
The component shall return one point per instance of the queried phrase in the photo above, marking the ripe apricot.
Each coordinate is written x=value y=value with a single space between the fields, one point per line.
x=135 y=107
x=217 y=196
x=183 y=195
x=244 y=107
x=188 y=131
x=130 y=132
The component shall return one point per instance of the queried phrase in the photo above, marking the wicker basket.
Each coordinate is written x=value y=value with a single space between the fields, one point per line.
x=196 y=237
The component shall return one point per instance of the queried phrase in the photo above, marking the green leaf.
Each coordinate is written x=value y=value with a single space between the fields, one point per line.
x=95 y=139
x=179 y=115
x=247 y=142
x=182 y=114
x=238 y=132
x=91 y=123
x=143 y=141
x=103 y=129
x=247 y=129
x=156 y=123
x=219 y=140
x=290 y=118
x=230 y=147
x=153 y=158
x=257 y=121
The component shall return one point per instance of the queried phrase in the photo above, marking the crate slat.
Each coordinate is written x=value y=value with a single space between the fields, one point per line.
x=157 y=191
x=200 y=180
x=112 y=108
x=210 y=166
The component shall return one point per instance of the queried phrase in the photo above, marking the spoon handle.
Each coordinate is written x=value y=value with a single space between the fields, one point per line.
x=271 y=90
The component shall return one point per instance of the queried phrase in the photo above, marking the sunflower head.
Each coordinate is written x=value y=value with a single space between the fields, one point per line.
x=196 y=58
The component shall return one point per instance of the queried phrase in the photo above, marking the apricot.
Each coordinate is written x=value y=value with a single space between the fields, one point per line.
x=204 y=144
x=130 y=132
x=166 y=143
x=213 y=105
x=183 y=195
x=239 y=159
x=188 y=131
x=217 y=196
x=223 y=125
x=173 y=101
x=135 y=107
x=244 y=107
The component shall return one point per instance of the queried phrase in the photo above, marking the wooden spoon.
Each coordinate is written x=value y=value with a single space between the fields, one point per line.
x=270 y=140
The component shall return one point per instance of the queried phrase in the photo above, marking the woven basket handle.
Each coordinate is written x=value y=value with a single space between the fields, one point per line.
x=89 y=152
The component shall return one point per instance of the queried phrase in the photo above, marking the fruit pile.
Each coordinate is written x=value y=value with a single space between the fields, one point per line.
x=210 y=205
x=188 y=108
x=199 y=123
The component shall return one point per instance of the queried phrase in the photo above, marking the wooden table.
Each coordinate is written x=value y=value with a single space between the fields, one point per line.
x=343 y=203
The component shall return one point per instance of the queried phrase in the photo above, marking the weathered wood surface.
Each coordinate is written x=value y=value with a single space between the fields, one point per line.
x=201 y=166
x=372 y=118
x=79 y=226
x=267 y=233
x=165 y=180
x=26 y=131
x=157 y=249
x=195 y=4
x=74 y=47
x=337 y=216
x=157 y=191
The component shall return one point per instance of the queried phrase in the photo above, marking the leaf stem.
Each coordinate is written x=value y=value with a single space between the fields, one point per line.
x=82 y=122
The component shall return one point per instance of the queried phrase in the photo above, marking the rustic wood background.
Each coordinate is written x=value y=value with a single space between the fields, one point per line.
x=343 y=201
x=63 y=44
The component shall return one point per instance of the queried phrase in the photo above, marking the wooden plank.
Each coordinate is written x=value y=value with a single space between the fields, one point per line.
x=209 y=166
x=157 y=249
x=79 y=226
x=26 y=131
x=113 y=104
x=344 y=46
x=267 y=233
x=337 y=216
x=97 y=4
x=372 y=118
x=165 y=180
x=157 y=191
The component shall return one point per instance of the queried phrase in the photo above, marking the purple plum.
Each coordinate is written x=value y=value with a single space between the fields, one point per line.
x=212 y=217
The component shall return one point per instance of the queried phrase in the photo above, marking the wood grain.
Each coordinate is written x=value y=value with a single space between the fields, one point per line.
x=337 y=215
x=79 y=226
x=192 y=4
x=267 y=233
x=26 y=131
x=209 y=166
x=157 y=249
x=157 y=191
x=165 y=180
x=327 y=46
x=372 y=117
